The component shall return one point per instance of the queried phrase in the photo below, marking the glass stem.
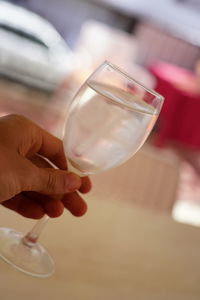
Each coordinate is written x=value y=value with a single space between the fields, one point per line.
x=32 y=236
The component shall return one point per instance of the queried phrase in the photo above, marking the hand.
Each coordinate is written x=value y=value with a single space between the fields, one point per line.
x=29 y=184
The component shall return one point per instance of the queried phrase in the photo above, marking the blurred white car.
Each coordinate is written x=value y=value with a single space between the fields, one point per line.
x=31 y=50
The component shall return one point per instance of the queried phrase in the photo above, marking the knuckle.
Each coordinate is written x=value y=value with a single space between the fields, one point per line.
x=51 y=181
x=55 y=182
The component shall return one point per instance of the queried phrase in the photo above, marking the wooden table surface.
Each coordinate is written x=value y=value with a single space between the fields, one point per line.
x=116 y=251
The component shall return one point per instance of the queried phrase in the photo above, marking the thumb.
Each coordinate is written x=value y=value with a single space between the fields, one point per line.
x=54 y=181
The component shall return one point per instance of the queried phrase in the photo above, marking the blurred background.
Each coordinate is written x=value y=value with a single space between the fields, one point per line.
x=48 y=48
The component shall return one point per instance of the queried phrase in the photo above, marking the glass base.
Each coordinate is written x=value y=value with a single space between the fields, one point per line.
x=31 y=259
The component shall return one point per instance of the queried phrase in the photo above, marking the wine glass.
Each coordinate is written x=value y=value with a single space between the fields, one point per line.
x=109 y=119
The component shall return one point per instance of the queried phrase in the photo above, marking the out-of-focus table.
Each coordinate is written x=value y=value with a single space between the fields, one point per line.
x=114 y=252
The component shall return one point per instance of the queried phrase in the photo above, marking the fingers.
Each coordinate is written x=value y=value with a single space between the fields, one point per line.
x=25 y=206
x=86 y=185
x=29 y=138
x=52 y=205
x=50 y=181
x=52 y=148
x=41 y=162
x=75 y=204
x=34 y=205
x=26 y=139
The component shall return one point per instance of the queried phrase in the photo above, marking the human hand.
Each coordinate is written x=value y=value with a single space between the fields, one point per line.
x=29 y=183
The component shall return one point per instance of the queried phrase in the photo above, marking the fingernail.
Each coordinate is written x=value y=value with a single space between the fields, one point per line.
x=73 y=182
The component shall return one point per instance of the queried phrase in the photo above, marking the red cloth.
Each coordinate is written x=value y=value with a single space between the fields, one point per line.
x=179 y=119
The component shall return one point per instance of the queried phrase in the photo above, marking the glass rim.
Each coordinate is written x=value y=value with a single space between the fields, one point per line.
x=124 y=73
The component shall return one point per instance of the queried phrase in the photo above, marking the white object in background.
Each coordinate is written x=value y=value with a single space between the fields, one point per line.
x=31 y=50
